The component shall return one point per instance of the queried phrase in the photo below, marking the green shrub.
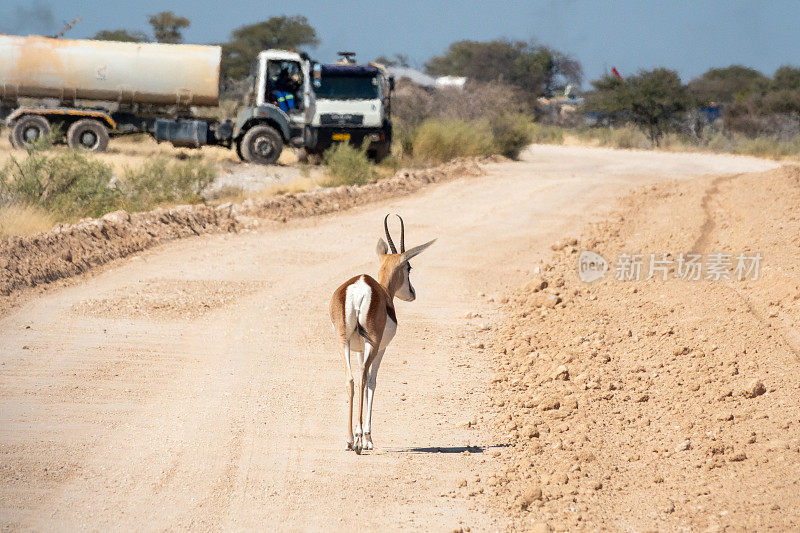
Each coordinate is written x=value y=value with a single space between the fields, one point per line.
x=767 y=146
x=72 y=184
x=718 y=142
x=512 y=133
x=161 y=181
x=439 y=141
x=403 y=138
x=624 y=137
x=68 y=185
x=545 y=134
x=347 y=165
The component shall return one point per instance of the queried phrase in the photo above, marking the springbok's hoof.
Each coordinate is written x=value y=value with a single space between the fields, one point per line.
x=357 y=449
x=367 y=441
x=349 y=446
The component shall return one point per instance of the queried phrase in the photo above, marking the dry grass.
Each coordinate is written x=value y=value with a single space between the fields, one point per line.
x=438 y=141
x=238 y=195
x=23 y=220
x=135 y=150
x=135 y=154
x=768 y=147
x=69 y=184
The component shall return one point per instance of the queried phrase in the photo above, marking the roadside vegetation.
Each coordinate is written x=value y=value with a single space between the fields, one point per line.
x=45 y=186
x=347 y=165
x=629 y=137
x=506 y=104
x=19 y=219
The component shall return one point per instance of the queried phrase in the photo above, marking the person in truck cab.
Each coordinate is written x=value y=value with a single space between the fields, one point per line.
x=283 y=91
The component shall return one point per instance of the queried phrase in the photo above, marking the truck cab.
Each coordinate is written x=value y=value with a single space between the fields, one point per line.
x=353 y=104
x=294 y=100
x=282 y=103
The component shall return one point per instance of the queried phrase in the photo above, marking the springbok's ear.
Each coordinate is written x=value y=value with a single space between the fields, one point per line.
x=416 y=250
x=381 y=249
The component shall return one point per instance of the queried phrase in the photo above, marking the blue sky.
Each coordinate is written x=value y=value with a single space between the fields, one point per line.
x=689 y=36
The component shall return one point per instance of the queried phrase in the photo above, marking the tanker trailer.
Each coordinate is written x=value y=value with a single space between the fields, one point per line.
x=94 y=90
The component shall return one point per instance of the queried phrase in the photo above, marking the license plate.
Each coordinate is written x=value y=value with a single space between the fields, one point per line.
x=341 y=136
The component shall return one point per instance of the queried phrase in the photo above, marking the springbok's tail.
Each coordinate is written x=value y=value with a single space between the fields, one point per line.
x=361 y=331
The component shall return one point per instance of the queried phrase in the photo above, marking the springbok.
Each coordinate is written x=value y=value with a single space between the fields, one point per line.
x=364 y=321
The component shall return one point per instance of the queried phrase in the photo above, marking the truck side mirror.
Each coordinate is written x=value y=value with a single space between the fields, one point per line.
x=317 y=75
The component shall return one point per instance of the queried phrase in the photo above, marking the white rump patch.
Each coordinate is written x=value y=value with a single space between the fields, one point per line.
x=356 y=307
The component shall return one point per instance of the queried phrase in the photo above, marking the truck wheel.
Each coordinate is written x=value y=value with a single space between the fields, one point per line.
x=88 y=134
x=28 y=129
x=239 y=149
x=262 y=145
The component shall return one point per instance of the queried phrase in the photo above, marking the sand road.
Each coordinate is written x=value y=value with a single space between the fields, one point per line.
x=197 y=386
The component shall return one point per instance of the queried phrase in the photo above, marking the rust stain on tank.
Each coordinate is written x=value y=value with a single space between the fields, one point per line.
x=105 y=70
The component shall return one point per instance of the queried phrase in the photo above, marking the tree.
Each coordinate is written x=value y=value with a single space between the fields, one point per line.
x=786 y=77
x=651 y=100
x=121 y=35
x=398 y=60
x=733 y=83
x=167 y=27
x=278 y=32
x=535 y=68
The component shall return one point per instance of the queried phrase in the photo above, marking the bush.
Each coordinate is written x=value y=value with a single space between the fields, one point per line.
x=545 y=134
x=512 y=133
x=439 y=141
x=347 y=165
x=412 y=104
x=47 y=187
x=67 y=185
x=403 y=138
x=624 y=137
x=160 y=181
x=767 y=146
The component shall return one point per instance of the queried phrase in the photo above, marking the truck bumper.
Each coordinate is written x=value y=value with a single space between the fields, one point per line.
x=319 y=139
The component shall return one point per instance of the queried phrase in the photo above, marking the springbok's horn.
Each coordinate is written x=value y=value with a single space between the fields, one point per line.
x=388 y=237
x=402 y=235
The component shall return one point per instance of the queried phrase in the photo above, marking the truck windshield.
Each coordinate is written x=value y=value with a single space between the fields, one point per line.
x=335 y=86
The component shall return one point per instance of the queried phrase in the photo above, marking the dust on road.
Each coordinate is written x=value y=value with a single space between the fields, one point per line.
x=226 y=410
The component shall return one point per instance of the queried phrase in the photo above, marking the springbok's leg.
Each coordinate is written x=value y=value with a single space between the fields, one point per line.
x=362 y=359
x=371 y=381
x=349 y=384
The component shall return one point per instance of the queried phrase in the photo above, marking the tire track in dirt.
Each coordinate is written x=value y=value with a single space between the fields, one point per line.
x=708 y=222
x=755 y=305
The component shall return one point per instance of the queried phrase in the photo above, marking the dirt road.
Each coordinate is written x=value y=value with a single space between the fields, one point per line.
x=196 y=386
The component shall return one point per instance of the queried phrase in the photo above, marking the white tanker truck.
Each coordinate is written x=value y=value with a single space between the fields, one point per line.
x=94 y=90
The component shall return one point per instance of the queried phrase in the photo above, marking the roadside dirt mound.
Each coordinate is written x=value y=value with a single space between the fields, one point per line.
x=323 y=201
x=659 y=404
x=69 y=250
